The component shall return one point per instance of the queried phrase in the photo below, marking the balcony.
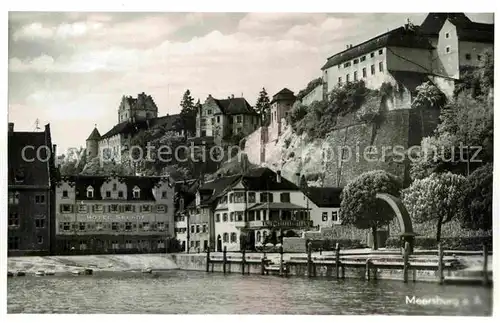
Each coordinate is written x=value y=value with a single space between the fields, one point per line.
x=288 y=224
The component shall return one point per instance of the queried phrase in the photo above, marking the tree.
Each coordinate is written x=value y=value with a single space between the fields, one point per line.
x=94 y=167
x=188 y=112
x=263 y=107
x=361 y=208
x=73 y=162
x=428 y=95
x=435 y=198
x=478 y=199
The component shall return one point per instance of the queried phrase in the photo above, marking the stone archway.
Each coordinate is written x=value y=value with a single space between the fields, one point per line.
x=405 y=226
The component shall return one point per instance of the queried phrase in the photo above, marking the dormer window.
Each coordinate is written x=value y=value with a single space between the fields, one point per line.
x=120 y=194
x=65 y=194
x=90 y=192
x=136 y=192
x=19 y=177
x=114 y=187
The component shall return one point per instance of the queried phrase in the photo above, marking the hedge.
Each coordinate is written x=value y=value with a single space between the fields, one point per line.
x=448 y=243
x=329 y=245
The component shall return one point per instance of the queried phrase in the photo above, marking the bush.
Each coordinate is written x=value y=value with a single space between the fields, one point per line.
x=448 y=243
x=329 y=245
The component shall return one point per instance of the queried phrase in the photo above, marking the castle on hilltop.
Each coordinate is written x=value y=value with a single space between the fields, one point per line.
x=134 y=115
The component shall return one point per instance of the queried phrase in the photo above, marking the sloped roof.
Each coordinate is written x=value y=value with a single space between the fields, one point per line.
x=94 y=135
x=235 y=106
x=277 y=206
x=145 y=183
x=264 y=179
x=476 y=32
x=171 y=122
x=210 y=191
x=31 y=169
x=284 y=94
x=432 y=24
x=324 y=196
x=399 y=37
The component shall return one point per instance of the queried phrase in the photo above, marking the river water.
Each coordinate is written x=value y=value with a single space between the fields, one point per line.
x=183 y=292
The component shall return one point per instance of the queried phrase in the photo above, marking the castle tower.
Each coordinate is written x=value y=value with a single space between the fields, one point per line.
x=134 y=109
x=92 y=144
x=281 y=104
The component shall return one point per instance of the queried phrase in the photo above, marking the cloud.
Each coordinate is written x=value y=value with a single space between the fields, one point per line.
x=63 y=31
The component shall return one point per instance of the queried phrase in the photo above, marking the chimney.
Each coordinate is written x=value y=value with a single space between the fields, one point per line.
x=54 y=150
x=278 y=176
x=347 y=46
x=232 y=96
x=11 y=126
x=297 y=179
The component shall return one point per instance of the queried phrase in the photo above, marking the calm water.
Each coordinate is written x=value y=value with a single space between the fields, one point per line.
x=181 y=292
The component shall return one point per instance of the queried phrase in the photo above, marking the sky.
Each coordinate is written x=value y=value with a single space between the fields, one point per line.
x=72 y=69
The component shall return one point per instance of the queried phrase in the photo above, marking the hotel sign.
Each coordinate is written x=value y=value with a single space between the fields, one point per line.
x=287 y=223
x=106 y=218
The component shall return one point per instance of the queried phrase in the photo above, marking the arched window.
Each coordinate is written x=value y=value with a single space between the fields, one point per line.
x=90 y=192
x=137 y=192
x=225 y=237
x=258 y=236
x=233 y=237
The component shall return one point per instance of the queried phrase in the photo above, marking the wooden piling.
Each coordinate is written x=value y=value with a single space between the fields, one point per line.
x=208 y=260
x=485 y=264
x=406 y=266
x=263 y=264
x=367 y=268
x=243 y=262
x=309 y=259
x=281 y=260
x=440 y=264
x=337 y=260
x=224 y=259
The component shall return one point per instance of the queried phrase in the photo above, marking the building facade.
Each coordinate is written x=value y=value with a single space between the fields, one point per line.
x=224 y=118
x=281 y=104
x=30 y=192
x=114 y=214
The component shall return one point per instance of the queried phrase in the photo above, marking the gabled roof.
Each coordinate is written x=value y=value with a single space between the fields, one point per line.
x=476 y=32
x=264 y=179
x=94 y=135
x=432 y=24
x=276 y=206
x=399 y=37
x=235 y=106
x=169 y=122
x=324 y=196
x=145 y=183
x=210 y=191
x=31 y=169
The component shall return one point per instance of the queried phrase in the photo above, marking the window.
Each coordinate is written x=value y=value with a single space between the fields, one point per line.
x=13 y=197
x=98 y=226
x=264 y=235
x=128 y=225
x=363 y=59
x=192 y=244
x=137 y=192
x=40 y=199
x=356 y=61
x=146 y=208
x=372 y=70
x=347 y=78
x=447 y=35
x=285 y=197
x=192 y=229
x=65 y=208
x=355 y=75
x=347 y=64
x=467 y=56
x=335 y=217
x=39 y=239
x=218 y=119
x=224 y=217
x=114 y=226
x=225 y=237
x=197 y=244
x=128 y=208
x=113 y=207
x=197 y=228
x=381 y=66
x=204 y=228
x=164 y=194
x=114 y=187
x=161 y=226
x=66 y=226
x=239 y=197
x=380 y=51
x=128 y=244
x=239 y=216
x=13 y=218
x=90 y=192
x=145 y=226
x=324 y=216
x=82 y=208
x=217 y=217
x=251 y=197
x=340 y=79
x=266 y=197
x=115 y=245
x=257 y=215
x=364 y=71
x=120 y=194
x=233 y=237
x=209 y=112
x=478 y=57
x=258 y=236
x=65 y=194
x=161 y=208
x=251 y=215
x=81 y=226
x=239 y=119
x=372 y=55
x=39 y=223
x=13 y=243
x=108 y=194
x=447 y=49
